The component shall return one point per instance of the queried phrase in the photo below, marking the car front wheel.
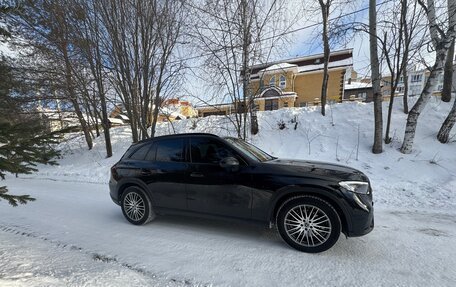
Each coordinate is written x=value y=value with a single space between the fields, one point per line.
x=136 y=206
x=308 y=224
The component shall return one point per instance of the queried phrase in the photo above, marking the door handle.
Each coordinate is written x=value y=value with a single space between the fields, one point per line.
x=196 y=174
x=146 y=171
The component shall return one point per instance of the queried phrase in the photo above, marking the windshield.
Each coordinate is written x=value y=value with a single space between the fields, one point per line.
x=250 y=150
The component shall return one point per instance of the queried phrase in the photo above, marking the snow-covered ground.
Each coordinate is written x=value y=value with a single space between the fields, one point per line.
x=73 y=235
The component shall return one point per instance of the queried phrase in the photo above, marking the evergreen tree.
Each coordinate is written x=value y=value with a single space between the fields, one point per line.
x=24 y=139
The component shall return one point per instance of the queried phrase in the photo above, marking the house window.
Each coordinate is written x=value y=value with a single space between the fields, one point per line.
x=362 y=95
x=415 y=90
x=303 y=104
x=270 y=105
x=272 y=81
x=416 y=78
x=285 y=105
x=282 y=82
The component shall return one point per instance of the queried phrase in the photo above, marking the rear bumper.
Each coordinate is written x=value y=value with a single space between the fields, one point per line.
x=113 y=191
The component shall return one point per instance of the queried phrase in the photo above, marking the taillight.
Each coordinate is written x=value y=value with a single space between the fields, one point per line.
x=114 y=173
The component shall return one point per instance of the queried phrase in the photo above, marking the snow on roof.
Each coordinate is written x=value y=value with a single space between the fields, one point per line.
x=123 y=117
x=340 y=63
x=115 y=121
x=280 y=66
x=357 y=85
x=172 y=113
x=283 y=95
x=308 y=63
x=215 y=106
x=57 y=115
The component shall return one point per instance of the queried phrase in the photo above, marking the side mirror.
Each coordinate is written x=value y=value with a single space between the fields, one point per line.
x=230 y=163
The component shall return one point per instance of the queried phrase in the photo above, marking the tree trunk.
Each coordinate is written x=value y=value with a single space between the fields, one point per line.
x=73 y=98
x=448 y=75
x=390 y=110
x=405 y=97
x=444 y=133
x=326 y=55
x=441 y=44
x=406 y=53
x=378 y=120
x=426 y=94
x=245 y=63
x=155 y=115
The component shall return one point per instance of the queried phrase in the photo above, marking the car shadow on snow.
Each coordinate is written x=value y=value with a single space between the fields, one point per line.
x=189 y=228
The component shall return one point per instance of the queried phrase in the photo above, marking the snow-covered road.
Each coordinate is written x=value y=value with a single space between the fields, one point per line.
x=73 y=235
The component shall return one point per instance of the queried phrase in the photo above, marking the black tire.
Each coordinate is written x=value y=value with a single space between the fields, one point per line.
x=136 y=206
x=315 y=234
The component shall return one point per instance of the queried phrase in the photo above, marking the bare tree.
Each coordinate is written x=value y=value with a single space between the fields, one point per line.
x=335 y=31
x=441 y=41
x=398 y=46
x=232 y=35
x=140 y=43
x=47 y=28
x=406 y=36
x=376 y=78
x=88 y=32
x=325 y=6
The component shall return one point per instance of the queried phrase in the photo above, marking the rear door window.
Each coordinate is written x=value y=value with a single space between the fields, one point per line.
x=170 y=150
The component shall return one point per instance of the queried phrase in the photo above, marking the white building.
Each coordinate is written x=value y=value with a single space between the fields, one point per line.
x=416 y=82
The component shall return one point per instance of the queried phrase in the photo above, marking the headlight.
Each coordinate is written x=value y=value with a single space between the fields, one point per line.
x=355 y=186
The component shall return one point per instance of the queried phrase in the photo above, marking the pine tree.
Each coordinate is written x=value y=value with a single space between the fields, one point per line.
x=24 y=140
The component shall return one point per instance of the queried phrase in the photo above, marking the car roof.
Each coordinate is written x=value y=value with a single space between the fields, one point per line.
x=178 y=136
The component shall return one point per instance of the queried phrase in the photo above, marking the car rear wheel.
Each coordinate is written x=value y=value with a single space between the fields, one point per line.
x=308 y=224
x=136 y=206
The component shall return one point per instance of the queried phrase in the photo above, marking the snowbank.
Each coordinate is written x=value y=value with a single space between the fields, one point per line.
x=424 y=179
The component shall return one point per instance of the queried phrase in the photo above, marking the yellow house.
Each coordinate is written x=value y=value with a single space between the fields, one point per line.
x=176 y=109
x=297 y=82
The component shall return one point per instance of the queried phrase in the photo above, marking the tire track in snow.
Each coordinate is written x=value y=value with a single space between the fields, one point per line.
x=19 y=230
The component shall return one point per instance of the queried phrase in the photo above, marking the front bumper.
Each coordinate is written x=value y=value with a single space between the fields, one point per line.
x=360 y=213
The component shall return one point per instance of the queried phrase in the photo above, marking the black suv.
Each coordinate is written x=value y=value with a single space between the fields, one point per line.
x=309 y=202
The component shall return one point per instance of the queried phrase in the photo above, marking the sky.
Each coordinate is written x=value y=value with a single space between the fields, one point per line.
x=301 y=43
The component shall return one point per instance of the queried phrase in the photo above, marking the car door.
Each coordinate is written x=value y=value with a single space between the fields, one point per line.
x=164 y=170
x=212 y=189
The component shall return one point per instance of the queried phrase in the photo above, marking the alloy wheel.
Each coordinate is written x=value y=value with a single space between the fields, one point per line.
x=307 y=225
x=134 y=206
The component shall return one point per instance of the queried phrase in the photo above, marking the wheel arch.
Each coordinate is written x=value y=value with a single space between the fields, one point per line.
x=133 y=182
x=317 y=191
